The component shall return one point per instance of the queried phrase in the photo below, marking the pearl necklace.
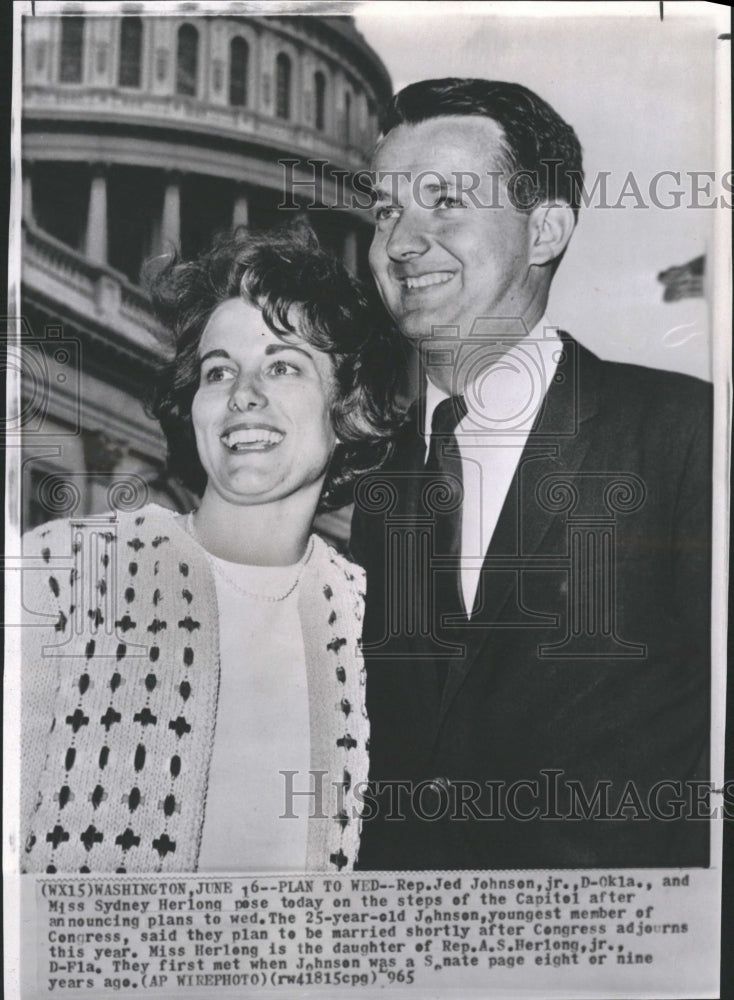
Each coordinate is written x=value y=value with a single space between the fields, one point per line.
x=214 y=563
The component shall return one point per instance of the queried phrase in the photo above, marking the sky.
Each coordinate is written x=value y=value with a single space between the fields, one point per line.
x=640 y=93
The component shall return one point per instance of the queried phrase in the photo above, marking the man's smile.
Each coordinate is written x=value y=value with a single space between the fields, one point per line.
x=426 y=280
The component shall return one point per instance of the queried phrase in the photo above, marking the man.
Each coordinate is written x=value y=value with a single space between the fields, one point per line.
x=537 y=551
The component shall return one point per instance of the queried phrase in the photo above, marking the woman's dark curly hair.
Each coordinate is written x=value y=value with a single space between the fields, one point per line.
x=282 y=270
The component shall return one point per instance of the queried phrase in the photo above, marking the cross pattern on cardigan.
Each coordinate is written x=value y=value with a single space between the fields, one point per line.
x=119 y=702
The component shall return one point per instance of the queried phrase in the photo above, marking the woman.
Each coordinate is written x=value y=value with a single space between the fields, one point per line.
x=194 y=676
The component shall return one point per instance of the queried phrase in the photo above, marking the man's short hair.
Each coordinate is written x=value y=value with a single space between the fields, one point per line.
x=540 y=148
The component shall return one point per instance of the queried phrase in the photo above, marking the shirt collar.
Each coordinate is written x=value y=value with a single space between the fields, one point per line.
x=510 y=388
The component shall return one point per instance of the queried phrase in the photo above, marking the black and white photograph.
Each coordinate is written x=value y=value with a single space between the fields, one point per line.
x=367 y=490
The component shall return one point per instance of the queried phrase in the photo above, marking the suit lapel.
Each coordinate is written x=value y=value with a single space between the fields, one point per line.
x=557 y=444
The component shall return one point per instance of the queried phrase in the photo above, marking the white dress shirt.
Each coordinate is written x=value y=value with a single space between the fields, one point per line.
x=503 y=400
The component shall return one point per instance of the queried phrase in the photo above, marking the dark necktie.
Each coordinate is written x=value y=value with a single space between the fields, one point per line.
x=444 y=460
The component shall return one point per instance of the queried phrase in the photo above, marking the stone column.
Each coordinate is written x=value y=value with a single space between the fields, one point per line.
x=171 y=215
x=240 y=209
x=331 y=105
x=27 y=211
x=96 y=240
x=254 y=82
x=303 y=88
x=350 y=252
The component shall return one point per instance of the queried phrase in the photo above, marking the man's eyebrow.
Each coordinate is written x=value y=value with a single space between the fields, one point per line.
x=437 y=187
x=383 y=191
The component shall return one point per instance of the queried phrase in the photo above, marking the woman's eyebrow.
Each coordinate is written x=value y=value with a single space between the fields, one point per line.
x=216 y=353
x=276 y=348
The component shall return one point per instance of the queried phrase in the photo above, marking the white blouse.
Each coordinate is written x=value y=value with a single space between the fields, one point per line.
x=262 y=724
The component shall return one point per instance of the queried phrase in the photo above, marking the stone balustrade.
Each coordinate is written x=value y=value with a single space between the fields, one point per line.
x=94 y=292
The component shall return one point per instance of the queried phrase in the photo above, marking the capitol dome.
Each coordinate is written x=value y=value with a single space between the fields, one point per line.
x=145 y=132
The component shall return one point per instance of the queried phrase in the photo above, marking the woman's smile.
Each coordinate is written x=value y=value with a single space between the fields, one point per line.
x=252 y=437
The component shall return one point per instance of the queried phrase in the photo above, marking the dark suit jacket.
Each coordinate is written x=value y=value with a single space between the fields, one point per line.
x=582 y=680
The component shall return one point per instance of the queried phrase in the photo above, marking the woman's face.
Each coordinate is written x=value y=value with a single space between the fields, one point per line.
x=261 y=413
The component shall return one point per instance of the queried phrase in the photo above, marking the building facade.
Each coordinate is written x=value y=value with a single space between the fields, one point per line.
x=147 y=133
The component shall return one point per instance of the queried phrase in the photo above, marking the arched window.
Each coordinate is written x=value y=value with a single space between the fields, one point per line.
x=283 y=86
x=239 y=53
x=187 y=60
x=131 y=52
x=72 y=50
x=347 y=117
x=319 y=88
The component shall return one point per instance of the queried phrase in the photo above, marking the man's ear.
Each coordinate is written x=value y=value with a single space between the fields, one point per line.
x=551 y=226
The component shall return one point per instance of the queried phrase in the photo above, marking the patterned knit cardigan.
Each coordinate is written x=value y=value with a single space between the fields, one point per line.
x=120 y=678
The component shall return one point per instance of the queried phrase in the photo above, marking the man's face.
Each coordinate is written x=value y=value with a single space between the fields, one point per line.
x=439 y=258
